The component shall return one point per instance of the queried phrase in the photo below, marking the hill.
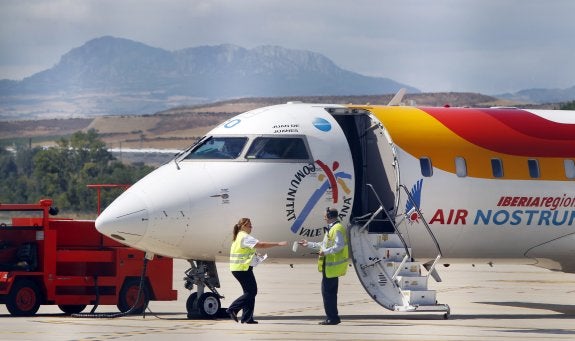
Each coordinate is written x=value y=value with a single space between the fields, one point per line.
x=178 y=127
x=115 y=76
x=541 y=95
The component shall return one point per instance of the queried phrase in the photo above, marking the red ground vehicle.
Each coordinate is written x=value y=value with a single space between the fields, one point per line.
x=45 y=260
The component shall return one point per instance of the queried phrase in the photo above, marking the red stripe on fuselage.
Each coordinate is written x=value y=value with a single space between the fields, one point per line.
x=509 y=131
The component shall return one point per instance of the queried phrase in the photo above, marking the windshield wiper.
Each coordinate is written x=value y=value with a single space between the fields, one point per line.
x=188 y=149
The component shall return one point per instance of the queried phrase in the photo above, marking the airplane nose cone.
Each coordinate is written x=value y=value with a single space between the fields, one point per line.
x=125 y=220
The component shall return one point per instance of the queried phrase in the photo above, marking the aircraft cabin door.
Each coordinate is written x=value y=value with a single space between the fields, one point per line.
x=374 y=163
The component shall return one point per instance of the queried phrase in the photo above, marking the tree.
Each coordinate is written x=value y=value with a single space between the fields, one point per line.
x=64 y=171
x=568 y=106
x=8 y=174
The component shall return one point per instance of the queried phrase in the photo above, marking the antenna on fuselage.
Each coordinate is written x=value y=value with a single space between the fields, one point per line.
x=396 y=100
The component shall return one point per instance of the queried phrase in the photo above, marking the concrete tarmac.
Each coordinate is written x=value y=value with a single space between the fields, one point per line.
x=502 y=302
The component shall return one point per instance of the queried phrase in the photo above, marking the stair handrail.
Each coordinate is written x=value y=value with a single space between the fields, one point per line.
x=371 y=218
x=392 y=221
x=432 y=268
x=398 y=270
x=412 y=201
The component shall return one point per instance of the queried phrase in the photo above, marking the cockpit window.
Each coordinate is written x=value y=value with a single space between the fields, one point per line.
x=282 y=148
x=218 y=148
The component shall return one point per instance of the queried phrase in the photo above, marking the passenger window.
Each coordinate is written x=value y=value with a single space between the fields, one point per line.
x=216 y=148
x=460 y=167
x=278 y=148
x=533 y=168
x=497 y=168
x=426 y=167
x=569 y=169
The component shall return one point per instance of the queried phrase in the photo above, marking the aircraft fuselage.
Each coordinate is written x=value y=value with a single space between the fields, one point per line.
x=492 y=184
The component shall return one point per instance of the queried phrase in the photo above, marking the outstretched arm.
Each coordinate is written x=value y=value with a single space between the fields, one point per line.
x=267 y=245
x=311 y=245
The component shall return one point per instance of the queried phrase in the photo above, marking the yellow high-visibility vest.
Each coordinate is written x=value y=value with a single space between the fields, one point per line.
x=335 y=264
x=240 y=257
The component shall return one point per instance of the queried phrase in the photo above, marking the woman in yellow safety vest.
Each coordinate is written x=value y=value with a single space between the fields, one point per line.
x=332 y=263
x=242 y=261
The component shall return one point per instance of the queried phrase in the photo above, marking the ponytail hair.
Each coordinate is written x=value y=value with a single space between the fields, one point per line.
x=238 y=226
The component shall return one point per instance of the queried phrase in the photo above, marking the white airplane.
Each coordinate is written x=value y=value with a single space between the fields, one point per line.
x=415 y=186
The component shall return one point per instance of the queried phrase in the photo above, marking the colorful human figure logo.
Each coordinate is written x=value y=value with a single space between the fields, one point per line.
x=330 y=178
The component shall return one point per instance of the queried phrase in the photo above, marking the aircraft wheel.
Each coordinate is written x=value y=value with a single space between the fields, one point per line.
x=190 y=303
x=70 y=309
x=129 y=295
x=209 y=305
x=24 y=298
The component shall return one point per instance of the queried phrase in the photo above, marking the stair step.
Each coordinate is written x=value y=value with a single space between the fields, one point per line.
x=377 y=258
x=386 y=240
x=408 y=268
x=420 y=297
x=412 y=282
x=394 y=254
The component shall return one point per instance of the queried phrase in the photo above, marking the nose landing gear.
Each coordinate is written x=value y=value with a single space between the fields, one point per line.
x=203 y=304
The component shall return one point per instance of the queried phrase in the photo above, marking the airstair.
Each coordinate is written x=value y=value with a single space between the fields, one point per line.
x=385 y=267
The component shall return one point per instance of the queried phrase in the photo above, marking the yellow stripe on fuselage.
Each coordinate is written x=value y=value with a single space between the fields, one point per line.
x=421 y=135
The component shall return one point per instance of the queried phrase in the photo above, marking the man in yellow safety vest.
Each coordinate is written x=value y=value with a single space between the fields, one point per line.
x=332 y=263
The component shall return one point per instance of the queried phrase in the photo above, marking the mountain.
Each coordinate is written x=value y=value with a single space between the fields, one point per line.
x=114 y=76
x=539 y=96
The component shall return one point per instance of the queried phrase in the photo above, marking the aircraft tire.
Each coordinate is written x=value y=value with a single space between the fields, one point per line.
x=209 y=305
x=190 y=304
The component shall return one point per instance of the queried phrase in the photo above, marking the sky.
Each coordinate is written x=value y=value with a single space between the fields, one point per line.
x=485 y=46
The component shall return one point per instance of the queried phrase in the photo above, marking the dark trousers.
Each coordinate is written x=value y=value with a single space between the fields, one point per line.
x=247 y=301
x=329 y=288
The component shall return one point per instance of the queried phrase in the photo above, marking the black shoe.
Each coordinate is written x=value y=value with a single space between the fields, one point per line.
x=329 y=322
x=250 y=322
x=232 y=314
